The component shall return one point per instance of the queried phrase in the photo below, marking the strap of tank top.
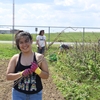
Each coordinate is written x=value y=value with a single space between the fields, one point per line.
x=35 y=57
x=19 y=57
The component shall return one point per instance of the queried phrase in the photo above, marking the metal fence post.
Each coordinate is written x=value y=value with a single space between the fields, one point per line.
x=99 y=44
x=83 y=35
x=13 y=24
x=48 y=35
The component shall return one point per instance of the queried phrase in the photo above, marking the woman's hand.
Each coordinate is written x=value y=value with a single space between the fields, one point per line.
x=35 y=68
x=26 y=72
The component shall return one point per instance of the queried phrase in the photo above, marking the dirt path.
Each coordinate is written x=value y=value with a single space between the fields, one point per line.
x=50 y=92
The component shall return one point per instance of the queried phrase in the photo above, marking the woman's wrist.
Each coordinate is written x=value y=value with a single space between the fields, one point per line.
x=21 y=73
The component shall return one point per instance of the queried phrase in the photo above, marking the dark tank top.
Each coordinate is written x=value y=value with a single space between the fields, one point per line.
x=30 y=84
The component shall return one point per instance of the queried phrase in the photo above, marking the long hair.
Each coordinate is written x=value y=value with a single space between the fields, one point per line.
x=40 y=33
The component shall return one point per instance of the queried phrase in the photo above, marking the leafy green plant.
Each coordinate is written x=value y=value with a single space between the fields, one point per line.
x=77 y=73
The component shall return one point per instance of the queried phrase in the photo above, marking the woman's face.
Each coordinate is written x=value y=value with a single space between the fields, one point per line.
x=42 y=33
x=25 y=44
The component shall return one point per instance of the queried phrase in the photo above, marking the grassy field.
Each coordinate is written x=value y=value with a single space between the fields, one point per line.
x=7 y=50
x=64 y=37
x=76 y=73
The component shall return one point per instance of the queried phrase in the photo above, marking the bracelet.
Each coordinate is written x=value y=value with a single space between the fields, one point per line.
x=38 y=71
x=21 y=73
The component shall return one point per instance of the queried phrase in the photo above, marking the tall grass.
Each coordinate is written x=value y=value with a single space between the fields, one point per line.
x=64 y=37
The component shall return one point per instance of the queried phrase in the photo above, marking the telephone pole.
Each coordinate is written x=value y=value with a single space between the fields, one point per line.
x=13 y=23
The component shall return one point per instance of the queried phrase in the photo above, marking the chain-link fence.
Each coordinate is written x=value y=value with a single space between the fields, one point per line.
x=80 y=34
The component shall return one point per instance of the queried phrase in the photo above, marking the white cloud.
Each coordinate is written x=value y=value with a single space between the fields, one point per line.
x=64 y=2
x=58 y=13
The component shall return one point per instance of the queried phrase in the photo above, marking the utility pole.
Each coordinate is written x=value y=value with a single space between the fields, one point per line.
x=13 y=23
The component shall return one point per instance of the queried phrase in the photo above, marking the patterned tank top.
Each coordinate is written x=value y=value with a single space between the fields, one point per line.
x=30 y=84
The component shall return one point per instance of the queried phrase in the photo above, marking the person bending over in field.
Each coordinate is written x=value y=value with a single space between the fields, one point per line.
x=64 y=48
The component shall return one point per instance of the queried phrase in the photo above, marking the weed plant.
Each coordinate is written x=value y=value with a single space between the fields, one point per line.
x=77 y=72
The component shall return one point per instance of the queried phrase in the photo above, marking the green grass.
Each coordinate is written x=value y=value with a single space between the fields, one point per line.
x=76 y=73
x=64 y=37
x=6 y=37
x=75 y=37
x=8 y=50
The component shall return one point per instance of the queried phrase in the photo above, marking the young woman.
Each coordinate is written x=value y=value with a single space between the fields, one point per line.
x=26 y=70
x=41 y=42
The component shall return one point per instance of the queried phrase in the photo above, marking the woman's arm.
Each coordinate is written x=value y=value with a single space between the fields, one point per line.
x=37 y=42
x=10 y=75
x=44 y=68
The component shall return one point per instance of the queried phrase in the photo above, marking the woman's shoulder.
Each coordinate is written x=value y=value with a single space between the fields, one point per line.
x=38 y=35
x=39 y=56
x=44 y=36
x=15 y=56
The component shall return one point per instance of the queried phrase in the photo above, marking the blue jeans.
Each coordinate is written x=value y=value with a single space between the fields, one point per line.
x=16 y=95
x=42 y=50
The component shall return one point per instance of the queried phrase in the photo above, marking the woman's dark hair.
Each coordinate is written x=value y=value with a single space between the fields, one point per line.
x=18 y=36
x=41 y=32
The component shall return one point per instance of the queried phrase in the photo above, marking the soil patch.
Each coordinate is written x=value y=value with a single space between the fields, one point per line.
x=50 y=91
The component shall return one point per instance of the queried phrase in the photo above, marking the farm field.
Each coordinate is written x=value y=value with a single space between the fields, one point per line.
x=74 y=74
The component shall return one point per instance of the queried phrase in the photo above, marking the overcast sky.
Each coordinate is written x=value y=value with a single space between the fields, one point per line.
x=74 y=13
